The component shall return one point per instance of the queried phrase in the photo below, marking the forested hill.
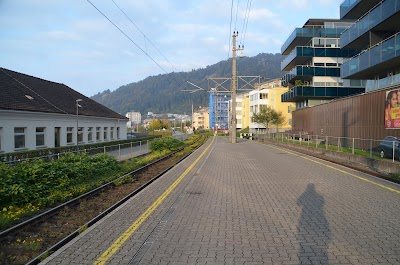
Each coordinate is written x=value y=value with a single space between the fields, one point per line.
x=162 y=93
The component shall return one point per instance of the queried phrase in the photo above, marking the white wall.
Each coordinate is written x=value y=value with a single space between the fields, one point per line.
x=30 y=120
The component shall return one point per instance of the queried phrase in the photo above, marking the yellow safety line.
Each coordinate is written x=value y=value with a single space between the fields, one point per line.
x=121 y=240
x=342 y=171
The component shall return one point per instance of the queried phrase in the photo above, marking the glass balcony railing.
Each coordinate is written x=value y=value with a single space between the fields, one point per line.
x=346 y=6
x=371 y=19
x=383 y=83
x=380 y=53
x=317 y=52
x=310 y=92
x=304 y=70
x=310 y=32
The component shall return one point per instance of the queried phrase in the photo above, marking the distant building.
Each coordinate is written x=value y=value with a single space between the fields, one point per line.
x=269 y=94
x=201 y=119
x=245 y=100
x=218 y=109
x=37 y=114
x=135 y=118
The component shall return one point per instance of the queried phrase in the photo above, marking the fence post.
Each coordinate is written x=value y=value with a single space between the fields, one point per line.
x=316 y=142
x=352 y=148
x=119 y=151
x=326 y=142
x=370 y=148
x=104 y=149
x=393 y=151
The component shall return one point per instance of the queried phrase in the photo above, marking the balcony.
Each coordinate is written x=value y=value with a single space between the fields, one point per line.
x=305 y=73
x=301 y=36
x=299 y=93
x=301 y=55
x=378 y=60
x=354 y=9
x=382 y=18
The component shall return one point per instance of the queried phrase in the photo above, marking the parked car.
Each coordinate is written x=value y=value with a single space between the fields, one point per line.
x=130 y=136
x=386 y=147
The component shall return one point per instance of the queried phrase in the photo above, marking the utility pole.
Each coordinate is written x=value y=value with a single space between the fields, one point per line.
x=234 y=87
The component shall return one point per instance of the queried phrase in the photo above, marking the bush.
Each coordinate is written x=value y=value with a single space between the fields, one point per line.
x=167 y=143
x=34 y=181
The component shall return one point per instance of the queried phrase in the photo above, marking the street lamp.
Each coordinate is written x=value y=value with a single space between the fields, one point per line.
x=77 y=128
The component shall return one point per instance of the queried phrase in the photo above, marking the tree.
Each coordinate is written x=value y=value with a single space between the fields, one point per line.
x=165 y=124
x=155 y=124
x=268 y=116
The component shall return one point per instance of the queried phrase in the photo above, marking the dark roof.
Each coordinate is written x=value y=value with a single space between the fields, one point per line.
x=320 y=21
x=22 y=92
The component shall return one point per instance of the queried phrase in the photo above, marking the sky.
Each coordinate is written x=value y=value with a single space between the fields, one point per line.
x=71 y=42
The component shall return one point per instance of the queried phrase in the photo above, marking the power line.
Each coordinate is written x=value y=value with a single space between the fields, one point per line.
x=132 y=41
x=144 y=35
x=246 y=21
x=230 y=31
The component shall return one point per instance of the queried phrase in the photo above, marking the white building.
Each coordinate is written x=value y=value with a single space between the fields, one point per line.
x=37 y=114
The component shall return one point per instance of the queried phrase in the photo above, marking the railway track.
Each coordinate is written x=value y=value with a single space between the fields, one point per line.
x=33 y=240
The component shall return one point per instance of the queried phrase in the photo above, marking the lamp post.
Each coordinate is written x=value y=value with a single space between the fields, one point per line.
x=77 y=114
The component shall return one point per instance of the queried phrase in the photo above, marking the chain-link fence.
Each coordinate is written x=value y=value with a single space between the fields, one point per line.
x=385 y=148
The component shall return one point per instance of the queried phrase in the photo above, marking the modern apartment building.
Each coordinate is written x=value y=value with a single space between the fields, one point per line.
x=374 y=114
x=376 y=34
x=312 y=64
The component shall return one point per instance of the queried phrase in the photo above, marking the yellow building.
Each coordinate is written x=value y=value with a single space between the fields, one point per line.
x=245 y=110
x=201 y=119
x=269 y=94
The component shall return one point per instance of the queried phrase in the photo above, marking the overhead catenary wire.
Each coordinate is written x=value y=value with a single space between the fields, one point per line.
x=245 y=22
x=115 y=25
x=230 y=31
x=144 y=35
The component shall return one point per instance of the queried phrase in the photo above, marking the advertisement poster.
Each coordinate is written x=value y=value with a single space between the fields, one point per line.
x=392 y=109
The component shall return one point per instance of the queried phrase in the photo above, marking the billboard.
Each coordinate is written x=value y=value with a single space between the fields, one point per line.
x=392 y=109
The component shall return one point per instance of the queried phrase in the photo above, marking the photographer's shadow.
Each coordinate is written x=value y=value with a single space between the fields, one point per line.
x=313 y=232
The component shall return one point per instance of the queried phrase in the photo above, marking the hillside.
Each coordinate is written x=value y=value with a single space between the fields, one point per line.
x=162 y=93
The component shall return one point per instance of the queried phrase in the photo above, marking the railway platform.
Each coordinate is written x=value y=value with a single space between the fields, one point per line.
x=248 y=203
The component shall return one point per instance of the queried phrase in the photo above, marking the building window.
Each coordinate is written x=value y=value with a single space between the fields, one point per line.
x=263 y=96
x=288 y=109
x=70 y=131
x=98 y=133
x=40 y=136
x=118 y=132
x=290 y=122
x=90 y=134
x=19 y=137
x=112 y=133
x=105 y=133
x=80 y=134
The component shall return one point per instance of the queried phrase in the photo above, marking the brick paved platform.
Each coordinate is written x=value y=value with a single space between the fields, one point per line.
x=249 y=203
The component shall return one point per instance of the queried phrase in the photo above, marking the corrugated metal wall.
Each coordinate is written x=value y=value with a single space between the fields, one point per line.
x=360 y=116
